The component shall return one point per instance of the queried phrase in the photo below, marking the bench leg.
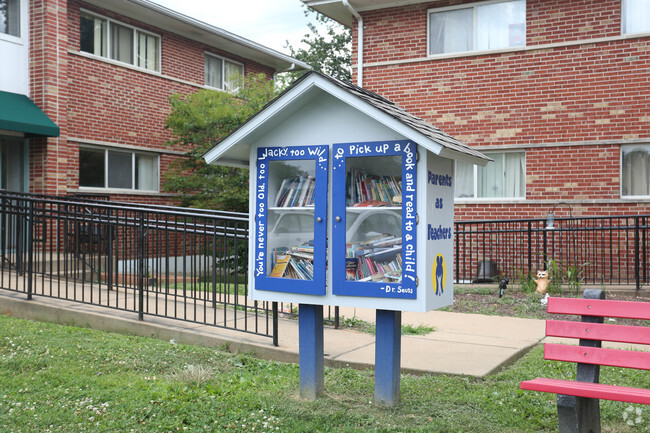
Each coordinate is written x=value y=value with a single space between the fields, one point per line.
x=578 y=414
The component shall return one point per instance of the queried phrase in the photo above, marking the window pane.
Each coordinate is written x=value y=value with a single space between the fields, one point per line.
x=91 y=168
x=464 y=180
x=501 y=25
x=120 y=173
x=451 y=31
x=636 y=172
x=636 y=16
x=213 y=72
x=93 y=35
x=121 y=43
x=505 y=177
x=10 y=17
x=234 y=74
x=147 y=51
x=146 y=172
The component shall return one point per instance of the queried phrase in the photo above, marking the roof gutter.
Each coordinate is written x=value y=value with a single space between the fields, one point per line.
x=220 y=32
x=356 y=14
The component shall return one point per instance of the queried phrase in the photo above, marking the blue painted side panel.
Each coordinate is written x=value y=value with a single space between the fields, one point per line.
x=341 y=154
x=319 y=155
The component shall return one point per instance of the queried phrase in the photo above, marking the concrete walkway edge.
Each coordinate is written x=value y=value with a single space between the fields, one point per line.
x=462 y=344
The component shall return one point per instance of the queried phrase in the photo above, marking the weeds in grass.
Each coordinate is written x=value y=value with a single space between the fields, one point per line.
x=371 y=328
x=55 y=378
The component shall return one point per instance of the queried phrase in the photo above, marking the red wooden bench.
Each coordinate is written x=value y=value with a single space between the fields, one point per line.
x=578 y=400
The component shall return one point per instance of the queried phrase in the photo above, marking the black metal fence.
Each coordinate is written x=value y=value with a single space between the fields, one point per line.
x=191 y=264
x=595 y=250
x=185 y=264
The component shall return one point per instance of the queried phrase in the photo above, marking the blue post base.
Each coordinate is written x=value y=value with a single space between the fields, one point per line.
x=311 y=351
x=388 y=349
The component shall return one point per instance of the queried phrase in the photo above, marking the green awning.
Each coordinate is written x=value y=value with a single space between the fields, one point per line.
x=19 y=113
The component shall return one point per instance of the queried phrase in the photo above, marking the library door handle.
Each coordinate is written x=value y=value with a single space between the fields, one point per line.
x=338 y=219
x=319 y=219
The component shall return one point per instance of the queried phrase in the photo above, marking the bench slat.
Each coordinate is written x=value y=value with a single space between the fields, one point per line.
x=597 y=331
x=599 y=307
x=595 y=355
x=589 y=390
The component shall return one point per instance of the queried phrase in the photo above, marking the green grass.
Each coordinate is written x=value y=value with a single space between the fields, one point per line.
x=55 y=378
x=371 y=328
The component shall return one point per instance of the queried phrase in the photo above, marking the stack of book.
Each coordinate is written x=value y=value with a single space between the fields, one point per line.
x=296 y=192
x=379 y=190
x=296 y=263
x=378 y=259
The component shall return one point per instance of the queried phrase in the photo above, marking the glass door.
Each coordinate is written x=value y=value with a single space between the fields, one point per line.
x=291 y=219
x=374 y=192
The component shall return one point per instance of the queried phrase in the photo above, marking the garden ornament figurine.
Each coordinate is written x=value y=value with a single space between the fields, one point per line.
x=542 y=282
x=503 y=285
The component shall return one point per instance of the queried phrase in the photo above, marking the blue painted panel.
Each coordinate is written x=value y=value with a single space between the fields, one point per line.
x=349 y=156
x=273 y=164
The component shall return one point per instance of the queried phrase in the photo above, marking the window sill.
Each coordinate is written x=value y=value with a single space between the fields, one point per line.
x=495 y=200
x=114 y=191
x=115 y=62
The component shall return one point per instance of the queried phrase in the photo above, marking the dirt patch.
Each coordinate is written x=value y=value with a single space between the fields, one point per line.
x=515 y=303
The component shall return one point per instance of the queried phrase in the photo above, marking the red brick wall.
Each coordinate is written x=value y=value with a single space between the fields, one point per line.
x=593 y=94
x=99 y=101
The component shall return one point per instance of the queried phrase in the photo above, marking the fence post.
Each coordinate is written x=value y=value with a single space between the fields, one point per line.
x=141 y=269
x=276 y=329
x=636 y=253
x=530 y=247
x=544 y=250
x=30 y=250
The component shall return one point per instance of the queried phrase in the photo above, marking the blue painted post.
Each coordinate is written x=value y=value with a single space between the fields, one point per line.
x=310 y=351
x=388 y=349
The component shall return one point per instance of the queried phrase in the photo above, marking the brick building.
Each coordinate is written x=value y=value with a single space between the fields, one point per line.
x=555 y=91
x=84 y=88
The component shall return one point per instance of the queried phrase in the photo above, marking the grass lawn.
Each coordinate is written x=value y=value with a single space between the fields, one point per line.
x=56 y=378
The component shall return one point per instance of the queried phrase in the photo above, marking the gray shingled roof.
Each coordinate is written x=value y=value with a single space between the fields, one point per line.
x=400 y=114
x=386 y=106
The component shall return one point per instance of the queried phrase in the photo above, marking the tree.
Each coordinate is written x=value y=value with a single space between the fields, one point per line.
x=329 y=52
x=199 y=120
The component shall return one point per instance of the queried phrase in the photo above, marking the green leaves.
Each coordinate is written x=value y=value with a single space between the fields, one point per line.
x=328 y=47
x=199 y=121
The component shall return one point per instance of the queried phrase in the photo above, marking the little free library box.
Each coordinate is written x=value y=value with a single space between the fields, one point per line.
x=351 y=199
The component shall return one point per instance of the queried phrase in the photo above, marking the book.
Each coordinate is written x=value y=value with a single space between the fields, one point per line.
x=364 y=187
x=280 y=266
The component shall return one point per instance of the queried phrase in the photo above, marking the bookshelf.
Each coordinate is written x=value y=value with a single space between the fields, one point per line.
x=377 y=220
x=373 y=219
x=291 y=209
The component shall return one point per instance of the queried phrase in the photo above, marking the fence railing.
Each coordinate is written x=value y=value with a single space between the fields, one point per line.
x=176 y=263
x=596 y=250
x=191 y=264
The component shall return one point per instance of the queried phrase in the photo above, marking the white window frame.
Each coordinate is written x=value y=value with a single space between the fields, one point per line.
x=135 y=29
x=474 y=24
x=476 y=198
x=23 y=24
x=623 y=22
x=223 y=70
x=133 y=170
x=629 y=148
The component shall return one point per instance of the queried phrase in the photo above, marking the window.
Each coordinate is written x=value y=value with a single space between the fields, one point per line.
x=635 y=16
x=635 y=171
x=503 y=178
x=479 y=27
x=10 y=17
x=106 y=38
x=103 y=168
x=222 y=73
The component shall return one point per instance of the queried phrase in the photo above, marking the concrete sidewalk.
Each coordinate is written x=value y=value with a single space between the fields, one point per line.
x=462 y=344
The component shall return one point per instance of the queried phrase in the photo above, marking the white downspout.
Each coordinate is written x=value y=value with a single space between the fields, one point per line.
x=346 y=3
